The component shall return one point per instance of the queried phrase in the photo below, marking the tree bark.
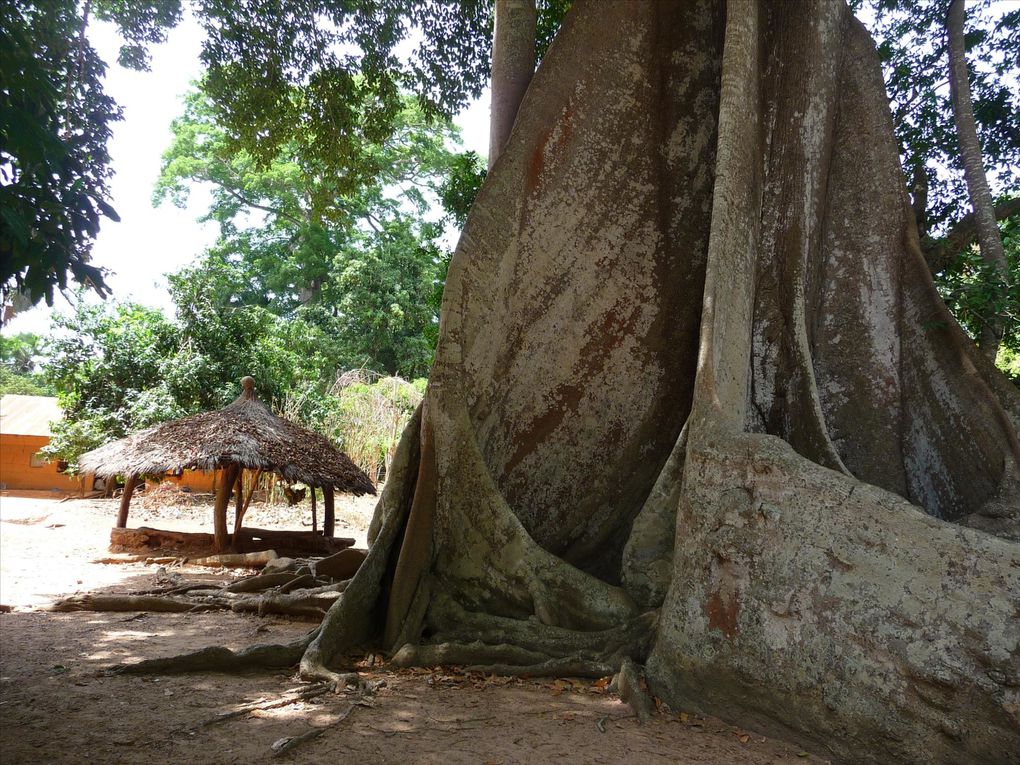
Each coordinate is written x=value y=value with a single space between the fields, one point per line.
x=513 y=64
x=692 y=363
x=989 y=238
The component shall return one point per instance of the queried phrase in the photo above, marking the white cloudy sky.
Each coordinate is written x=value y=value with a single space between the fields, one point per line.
x=150 y=242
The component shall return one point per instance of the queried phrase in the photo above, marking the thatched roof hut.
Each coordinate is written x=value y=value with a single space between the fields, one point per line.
x=244 y=435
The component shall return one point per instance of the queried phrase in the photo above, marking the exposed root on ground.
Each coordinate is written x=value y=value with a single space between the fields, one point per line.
x=628 y=684
x=220 y=659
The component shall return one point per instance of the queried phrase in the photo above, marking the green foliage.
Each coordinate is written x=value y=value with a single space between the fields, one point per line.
x=54 y=168
x=912 y=44
x=319 y=81
x=73 y=436
x=120 y=368
x=550 y=17
x=23 y=384
x=364 y=414
x=1008 y=360
x=357 y=267
x=141 y=23
x=326 y=76
x=20 y=353
x=103 y=360
x=20 y=357
x=220 y=343
x=457 y=193
x=973 y=290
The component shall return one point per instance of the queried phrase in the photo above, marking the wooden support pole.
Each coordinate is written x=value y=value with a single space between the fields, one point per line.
x=238 y=497
x=314 y=525
x=328 y=517
x=125 y=500
x=239 y=518
x=228 y=476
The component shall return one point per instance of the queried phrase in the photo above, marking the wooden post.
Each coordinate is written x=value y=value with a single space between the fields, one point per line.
x=328 y=518
x=312 y=490
x=238 y=497
x=227 y=478
x=239 y=518
x=125 y=500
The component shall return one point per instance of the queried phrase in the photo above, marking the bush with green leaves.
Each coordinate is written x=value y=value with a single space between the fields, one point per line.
x=364 y=414
x=972 y=291
x=20 y=357
x=22 y=384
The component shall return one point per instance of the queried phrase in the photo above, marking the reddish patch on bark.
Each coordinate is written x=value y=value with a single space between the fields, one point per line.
x=722 y=609
x=567 y=396
x=615 y=326
x=536 y=165
x=538 y=157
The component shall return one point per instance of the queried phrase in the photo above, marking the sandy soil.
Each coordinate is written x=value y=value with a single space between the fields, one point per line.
x=58 y=705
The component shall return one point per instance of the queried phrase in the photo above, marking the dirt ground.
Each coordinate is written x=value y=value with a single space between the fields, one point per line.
x=58 y=704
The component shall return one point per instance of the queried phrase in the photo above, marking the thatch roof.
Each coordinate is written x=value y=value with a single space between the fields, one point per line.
x=243 y=433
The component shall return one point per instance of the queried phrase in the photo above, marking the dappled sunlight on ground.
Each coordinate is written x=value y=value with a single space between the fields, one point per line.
x=57 y=694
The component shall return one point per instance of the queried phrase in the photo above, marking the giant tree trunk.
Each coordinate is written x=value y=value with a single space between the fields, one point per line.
x=513 y=63
x=989 y=238
x=696 y=403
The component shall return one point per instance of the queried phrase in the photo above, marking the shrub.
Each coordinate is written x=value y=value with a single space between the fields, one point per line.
x=364 y=414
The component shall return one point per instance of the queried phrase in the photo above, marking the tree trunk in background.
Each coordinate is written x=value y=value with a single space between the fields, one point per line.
x=989 y=238
x=513 y=64
x=919 y=202
x=328 y=512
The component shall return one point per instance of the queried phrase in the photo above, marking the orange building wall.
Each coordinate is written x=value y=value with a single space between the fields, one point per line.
x=201 y=481
x=16 y=471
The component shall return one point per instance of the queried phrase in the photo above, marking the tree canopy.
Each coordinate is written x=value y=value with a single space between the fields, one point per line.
x=55 y=122
x=364 y=263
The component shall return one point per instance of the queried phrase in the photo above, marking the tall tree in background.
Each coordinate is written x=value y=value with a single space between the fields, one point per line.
x=513 y=63
x=362 y=261
x=318 y=73
x=989 y=238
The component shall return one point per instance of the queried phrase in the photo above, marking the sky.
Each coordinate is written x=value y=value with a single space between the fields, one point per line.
x=150 y=242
